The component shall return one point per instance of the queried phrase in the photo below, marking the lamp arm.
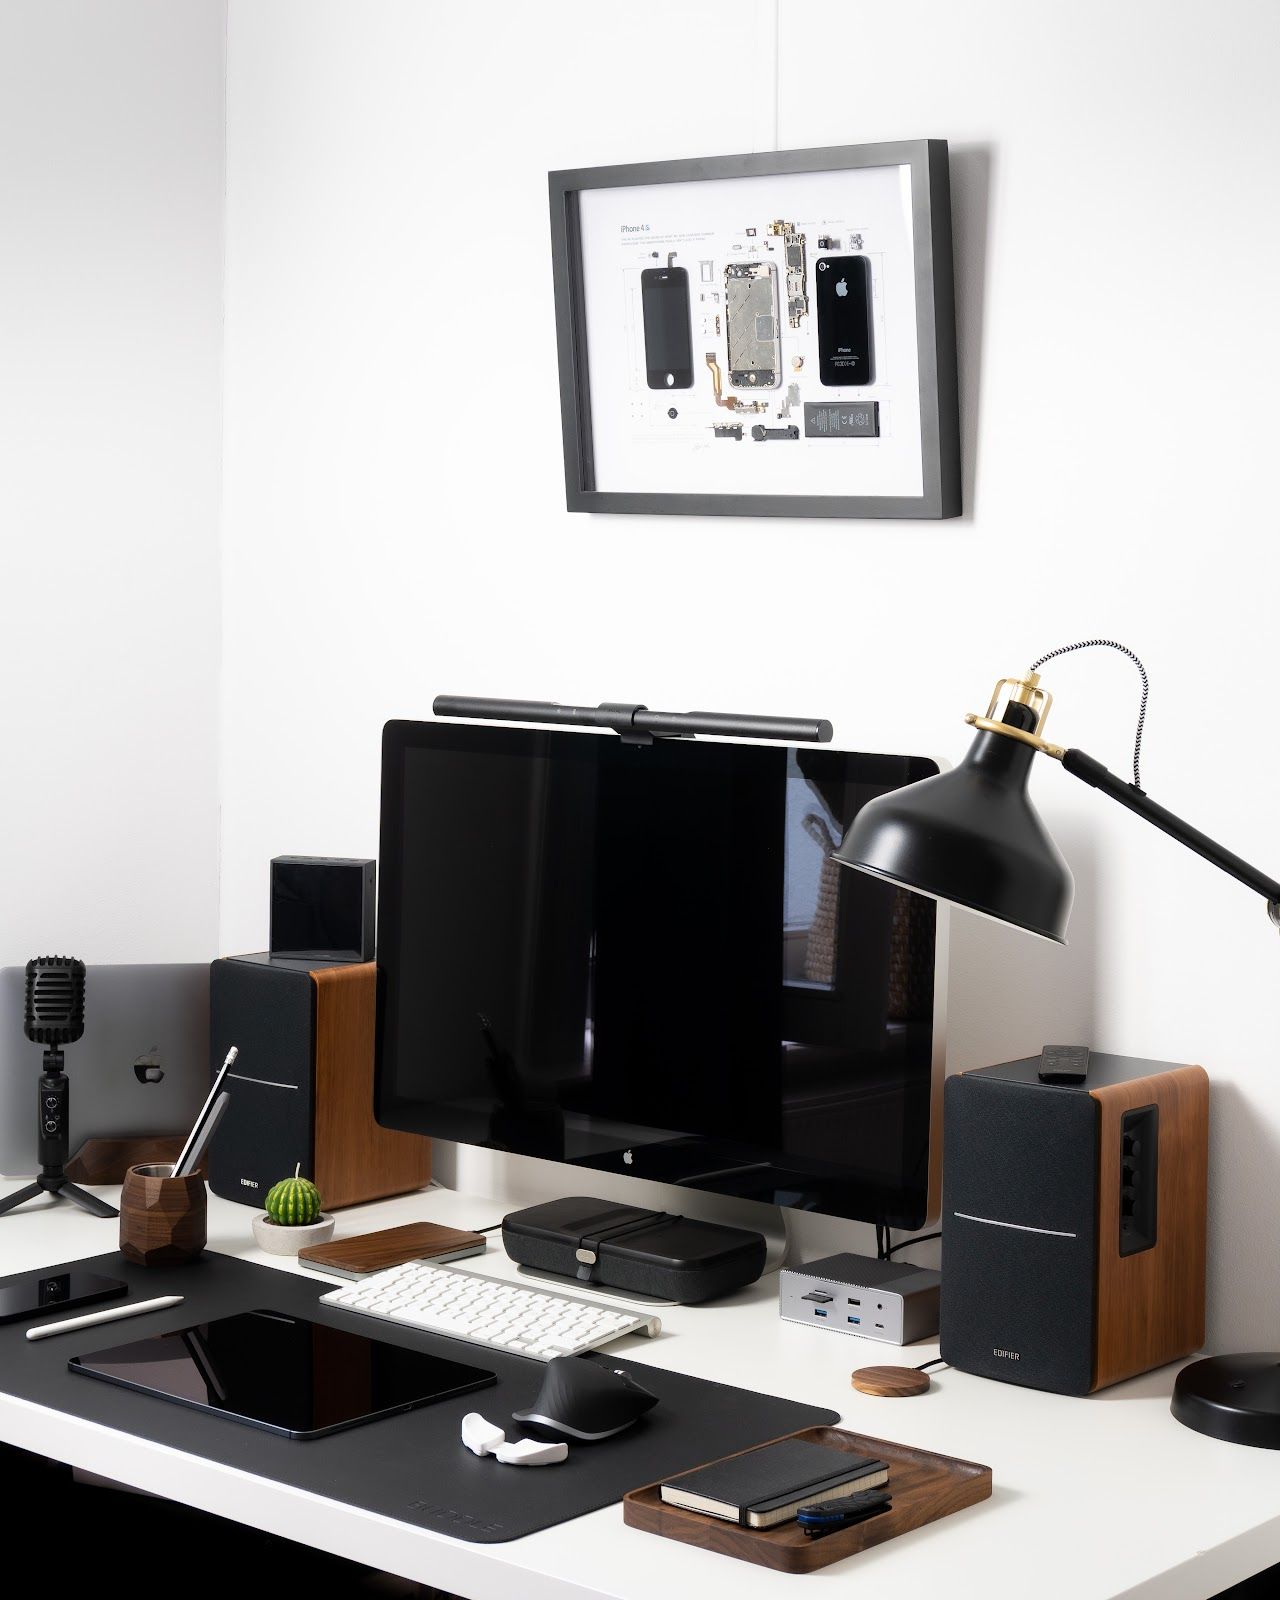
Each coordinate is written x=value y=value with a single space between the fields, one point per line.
x=1092 y=772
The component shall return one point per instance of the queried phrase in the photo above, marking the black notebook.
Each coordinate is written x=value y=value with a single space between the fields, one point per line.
x=764 y=1487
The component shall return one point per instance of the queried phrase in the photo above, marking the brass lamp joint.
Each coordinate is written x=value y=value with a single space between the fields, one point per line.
x=1024 y=691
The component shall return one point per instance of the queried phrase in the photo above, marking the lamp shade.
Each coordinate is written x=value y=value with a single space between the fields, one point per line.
x=970 y=836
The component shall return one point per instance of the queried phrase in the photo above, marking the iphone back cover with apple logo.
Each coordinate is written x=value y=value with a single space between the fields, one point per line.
x=845 y=355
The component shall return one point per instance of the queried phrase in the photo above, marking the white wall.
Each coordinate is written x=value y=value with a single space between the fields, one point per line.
x=393 y=493
x=111 y=204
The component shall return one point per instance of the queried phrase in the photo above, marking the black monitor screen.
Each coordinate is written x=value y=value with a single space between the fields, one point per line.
x=641 y=958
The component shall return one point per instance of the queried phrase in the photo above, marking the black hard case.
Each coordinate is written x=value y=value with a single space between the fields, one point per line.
x=627 y=1247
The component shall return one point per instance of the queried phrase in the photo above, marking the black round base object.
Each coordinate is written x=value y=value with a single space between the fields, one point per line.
x=1236 y=1398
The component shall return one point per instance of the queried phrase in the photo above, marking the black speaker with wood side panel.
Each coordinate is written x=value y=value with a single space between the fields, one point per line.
x=302 y=1085
x=1074 y=1221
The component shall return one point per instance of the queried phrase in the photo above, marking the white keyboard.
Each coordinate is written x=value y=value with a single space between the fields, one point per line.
x=486 y=1311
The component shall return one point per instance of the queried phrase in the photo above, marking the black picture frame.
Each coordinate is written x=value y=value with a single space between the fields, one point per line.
x=935 y=332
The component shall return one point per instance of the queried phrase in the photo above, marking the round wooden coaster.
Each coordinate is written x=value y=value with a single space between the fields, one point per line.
x=892 y=1382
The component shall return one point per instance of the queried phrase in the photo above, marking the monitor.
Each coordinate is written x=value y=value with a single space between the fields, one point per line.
x=640 y=958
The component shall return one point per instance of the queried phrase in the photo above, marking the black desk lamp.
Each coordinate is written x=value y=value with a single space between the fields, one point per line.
x=972 y=837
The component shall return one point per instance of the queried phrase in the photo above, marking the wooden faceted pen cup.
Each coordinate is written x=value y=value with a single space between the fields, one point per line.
x=163 y=1220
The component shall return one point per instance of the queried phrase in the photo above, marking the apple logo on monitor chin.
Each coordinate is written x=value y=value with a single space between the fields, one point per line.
x=842 y=288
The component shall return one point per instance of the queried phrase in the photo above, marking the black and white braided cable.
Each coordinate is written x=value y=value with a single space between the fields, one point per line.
x=1112 y=644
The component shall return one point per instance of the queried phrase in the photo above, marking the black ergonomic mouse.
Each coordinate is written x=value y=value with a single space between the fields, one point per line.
x=585 y=1401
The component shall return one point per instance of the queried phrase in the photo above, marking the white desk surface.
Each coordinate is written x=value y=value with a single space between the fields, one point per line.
x=1093 y=1498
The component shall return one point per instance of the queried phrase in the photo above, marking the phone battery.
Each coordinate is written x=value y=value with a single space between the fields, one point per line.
x=844 y=419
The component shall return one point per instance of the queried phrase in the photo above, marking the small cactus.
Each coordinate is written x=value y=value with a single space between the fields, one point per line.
x=293 y=1202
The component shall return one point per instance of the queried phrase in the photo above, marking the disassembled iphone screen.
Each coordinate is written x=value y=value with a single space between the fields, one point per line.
x=668 y=346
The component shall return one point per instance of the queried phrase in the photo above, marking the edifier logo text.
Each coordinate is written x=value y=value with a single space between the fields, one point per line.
x=640 y=227
x=1007 y=1355
x=248 y=1183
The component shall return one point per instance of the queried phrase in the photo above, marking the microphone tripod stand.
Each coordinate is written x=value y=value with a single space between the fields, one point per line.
x=53 y=1104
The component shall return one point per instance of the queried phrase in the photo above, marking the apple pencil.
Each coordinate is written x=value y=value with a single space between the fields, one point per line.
x=90 y=1319
x=198 y=1137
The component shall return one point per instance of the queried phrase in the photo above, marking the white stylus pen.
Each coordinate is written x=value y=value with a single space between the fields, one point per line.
x=91 y=1318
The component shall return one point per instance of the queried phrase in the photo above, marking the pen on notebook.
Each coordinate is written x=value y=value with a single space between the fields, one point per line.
x=90 y=1319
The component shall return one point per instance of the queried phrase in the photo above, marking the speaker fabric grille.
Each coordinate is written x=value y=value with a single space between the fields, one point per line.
x=269 y=1013
x=1020 y=1232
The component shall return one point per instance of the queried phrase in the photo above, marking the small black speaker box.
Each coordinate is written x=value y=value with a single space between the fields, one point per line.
x=1074 y=1221
x=322 y=909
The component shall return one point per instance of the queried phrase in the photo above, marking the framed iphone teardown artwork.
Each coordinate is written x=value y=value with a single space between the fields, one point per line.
x=759 y=335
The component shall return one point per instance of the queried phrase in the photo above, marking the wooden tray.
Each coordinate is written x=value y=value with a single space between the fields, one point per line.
x=924 y=1487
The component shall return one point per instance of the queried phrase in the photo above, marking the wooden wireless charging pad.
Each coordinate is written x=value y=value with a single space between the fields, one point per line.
x=891 y=1382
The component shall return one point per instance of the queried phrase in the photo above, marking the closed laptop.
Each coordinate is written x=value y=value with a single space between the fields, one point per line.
x=142 y=1066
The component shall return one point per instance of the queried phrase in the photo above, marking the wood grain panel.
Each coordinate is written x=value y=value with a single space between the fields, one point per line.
x=895 y=1383
x=107 y=1160
x=1150 y=1306
x=388 y=1247
x=924 y=1487
x=355 y=1158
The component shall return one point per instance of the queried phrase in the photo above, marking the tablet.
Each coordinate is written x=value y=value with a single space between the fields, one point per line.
x=283 y=1373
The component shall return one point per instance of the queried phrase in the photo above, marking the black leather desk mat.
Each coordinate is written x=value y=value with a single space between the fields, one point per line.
x=412 y=1467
